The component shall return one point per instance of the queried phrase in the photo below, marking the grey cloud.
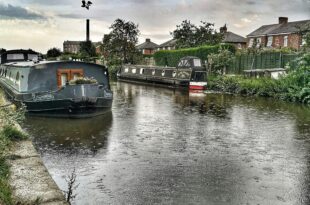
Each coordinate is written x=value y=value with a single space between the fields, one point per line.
x=17 y=12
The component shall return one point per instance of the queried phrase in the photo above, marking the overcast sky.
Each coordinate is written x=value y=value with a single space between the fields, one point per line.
x=41 y=25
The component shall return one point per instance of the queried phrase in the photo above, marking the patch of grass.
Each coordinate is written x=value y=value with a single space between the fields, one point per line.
x=12 y=133
x=5 y=191
x=8 y=134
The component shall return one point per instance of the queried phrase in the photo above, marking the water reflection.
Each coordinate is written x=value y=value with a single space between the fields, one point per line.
x=70 y=135
x=165 y=146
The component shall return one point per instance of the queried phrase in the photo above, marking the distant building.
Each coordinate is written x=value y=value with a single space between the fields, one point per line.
x=232 y=38
x=283 y=34
x=169 y=45
x=148 y=47
x=74 y=46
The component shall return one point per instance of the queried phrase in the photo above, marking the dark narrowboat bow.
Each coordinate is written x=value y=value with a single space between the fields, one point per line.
x=55 y=88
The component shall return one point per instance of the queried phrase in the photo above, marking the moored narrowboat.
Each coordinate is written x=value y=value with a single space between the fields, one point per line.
x=55 y=88
x=189 y=74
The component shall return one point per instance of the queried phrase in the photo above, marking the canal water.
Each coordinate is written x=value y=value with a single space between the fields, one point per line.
x=165 y=146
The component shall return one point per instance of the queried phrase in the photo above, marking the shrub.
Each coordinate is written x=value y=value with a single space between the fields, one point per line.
x=12 y=133
x=172 y=57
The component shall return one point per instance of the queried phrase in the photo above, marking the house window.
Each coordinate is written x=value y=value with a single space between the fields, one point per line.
x=65 y=75
x=239 y=46
x=258 y=42
x=303 y=40
x=251 y=42
x=269 y=42
x=285 y=41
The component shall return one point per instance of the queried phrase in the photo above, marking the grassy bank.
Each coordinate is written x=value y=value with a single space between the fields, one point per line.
x=8 y=134
x=294 y=87
x=287 y=88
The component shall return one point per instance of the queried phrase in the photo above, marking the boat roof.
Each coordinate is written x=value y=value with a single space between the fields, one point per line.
x=44 y=62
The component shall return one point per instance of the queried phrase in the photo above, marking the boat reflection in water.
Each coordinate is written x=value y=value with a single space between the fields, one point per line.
x=70 y=135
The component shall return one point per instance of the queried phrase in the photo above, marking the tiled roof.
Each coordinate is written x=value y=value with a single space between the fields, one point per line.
x=230 y=37
x=147 y=45
x=289 y=27
x=170 y=43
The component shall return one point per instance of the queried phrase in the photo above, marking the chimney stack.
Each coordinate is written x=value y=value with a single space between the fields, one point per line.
x=87 y=30
x=283 y=20
x=223 y=29
x=147 y=40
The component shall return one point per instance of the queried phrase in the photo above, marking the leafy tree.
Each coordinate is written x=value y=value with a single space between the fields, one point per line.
x=53 y=53
x=189 y=35
x=87 y=49
x=120 y=42
x=220 y=61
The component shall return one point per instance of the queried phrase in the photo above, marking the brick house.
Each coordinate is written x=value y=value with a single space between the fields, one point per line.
x=283 y=34
x=169 y=45
x=229 y=37
x=148 y=47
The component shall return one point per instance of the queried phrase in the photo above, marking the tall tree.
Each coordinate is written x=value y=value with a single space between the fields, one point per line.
x=53 y=53
x=121 y=41
x=87 y=49
x=189 y=35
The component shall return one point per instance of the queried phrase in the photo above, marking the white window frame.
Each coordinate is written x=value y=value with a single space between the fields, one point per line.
x=251 y=41
x=285 y=41
x=269 y=42
x=258 y=42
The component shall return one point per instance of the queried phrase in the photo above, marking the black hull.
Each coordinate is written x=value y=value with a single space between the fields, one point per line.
x=69 y=108
x=79 y=107
x=157 y=82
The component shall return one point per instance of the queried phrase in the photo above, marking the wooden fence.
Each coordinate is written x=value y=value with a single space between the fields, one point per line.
x=261 y=61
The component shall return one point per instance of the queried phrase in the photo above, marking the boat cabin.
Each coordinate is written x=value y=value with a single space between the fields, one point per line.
x=18 y=56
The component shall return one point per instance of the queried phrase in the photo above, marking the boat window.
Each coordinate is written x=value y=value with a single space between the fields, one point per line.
x=17 y=79
x=174 y=74
x=197 y=62
x=32 y=57
x=75 y=76
x=126 y=70
x=200 y=76
x=15 y=56
x=134 y=71
x=184 y=63
x=142 y=71
x=153 y=72
x=65 y=75
x=163 y=73
x=64 y=79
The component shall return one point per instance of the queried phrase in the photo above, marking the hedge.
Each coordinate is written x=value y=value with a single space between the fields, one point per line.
x=172 y=57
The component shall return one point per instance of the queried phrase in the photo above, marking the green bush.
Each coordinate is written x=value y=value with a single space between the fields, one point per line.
x=12 y=133
x=5 y=191
x=172 y=57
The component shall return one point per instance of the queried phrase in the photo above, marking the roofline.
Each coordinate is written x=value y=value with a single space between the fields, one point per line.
x=272 y=34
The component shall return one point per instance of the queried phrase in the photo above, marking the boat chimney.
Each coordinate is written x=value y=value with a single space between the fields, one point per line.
x=87 y=30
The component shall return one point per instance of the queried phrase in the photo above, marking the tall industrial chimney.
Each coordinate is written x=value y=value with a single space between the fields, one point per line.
x=87 y=30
